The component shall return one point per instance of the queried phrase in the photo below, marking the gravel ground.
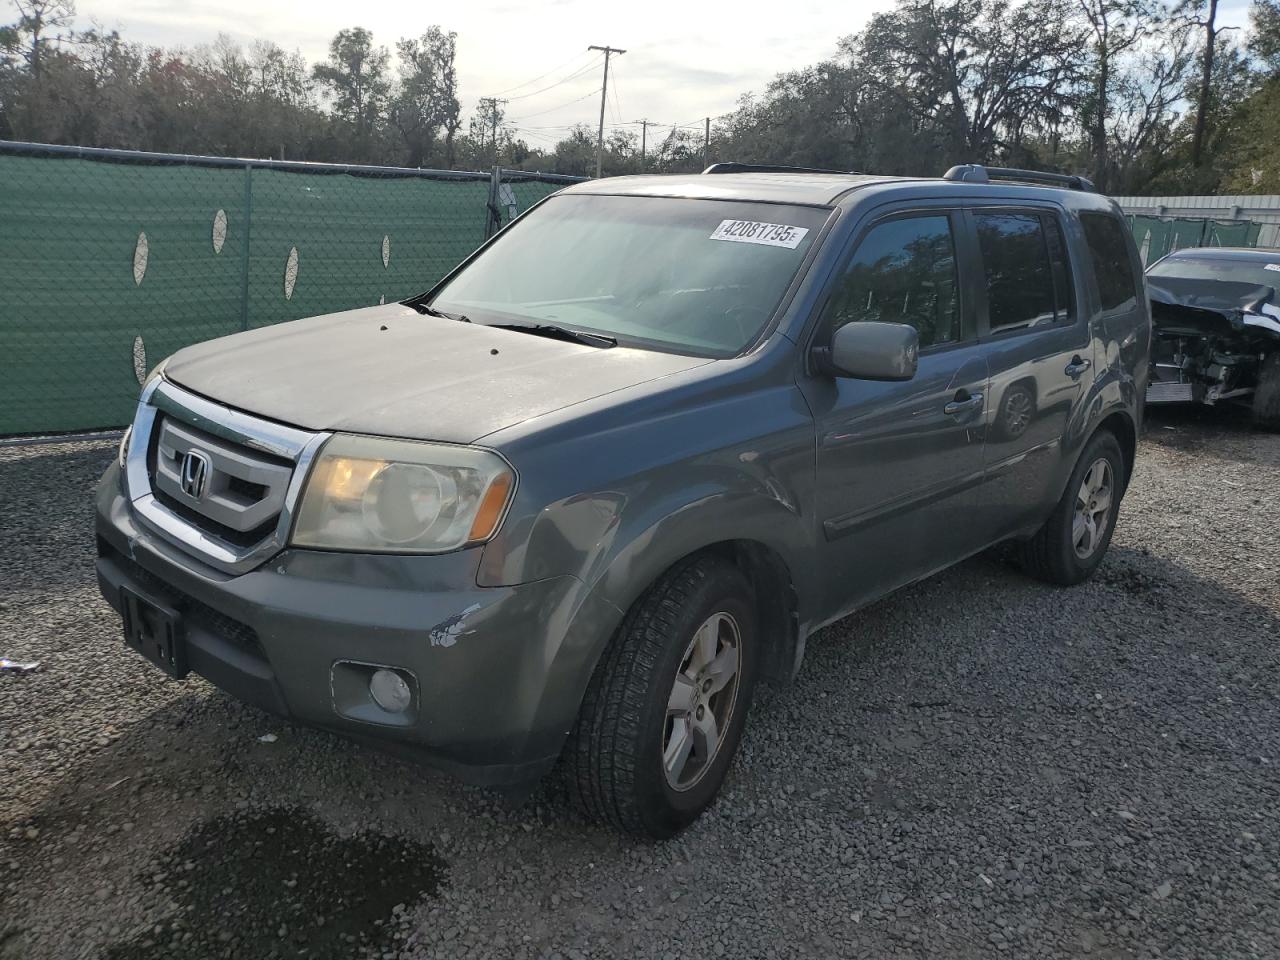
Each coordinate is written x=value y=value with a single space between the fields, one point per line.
x=976 y=766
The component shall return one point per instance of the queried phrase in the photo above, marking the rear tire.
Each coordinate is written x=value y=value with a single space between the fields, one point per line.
x=1266 y=396
x=634 y=722
x=1073 y=541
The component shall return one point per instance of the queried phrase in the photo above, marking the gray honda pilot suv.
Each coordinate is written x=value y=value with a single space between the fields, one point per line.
x=573 y=503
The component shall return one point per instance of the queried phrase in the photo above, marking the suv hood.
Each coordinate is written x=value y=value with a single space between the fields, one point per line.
x=389 y=370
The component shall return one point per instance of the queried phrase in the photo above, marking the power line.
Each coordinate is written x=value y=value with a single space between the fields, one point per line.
x=554 y=109
x=543 y=76
x=562 y=128
x=573 y=76
x=696 y=124
x=617 y=107
x=550 y=139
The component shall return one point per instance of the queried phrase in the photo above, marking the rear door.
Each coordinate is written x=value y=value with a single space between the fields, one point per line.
x=1039 y=351
x=899 y=464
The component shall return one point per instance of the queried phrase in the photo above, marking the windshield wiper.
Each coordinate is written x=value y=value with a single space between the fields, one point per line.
x=559 y=333
x=431 y=311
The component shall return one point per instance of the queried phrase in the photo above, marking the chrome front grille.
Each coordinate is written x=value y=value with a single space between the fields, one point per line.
x=215 y=482
x=235 y=488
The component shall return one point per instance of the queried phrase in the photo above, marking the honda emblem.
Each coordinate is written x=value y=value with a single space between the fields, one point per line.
x=194 y=476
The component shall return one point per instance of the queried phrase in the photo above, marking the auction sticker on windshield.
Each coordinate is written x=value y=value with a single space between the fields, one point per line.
x=752 y=231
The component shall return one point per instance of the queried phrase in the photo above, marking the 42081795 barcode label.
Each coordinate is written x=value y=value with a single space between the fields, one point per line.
x=753 y=231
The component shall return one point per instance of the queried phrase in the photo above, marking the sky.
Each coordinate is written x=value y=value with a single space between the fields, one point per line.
x=685 y=59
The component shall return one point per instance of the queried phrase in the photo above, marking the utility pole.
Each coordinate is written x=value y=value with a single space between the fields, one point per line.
x=644 y=137
x=492 y=103
x=706 y=145
x=604 y=92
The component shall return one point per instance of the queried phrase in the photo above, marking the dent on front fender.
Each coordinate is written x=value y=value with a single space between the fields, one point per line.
x=621 y=535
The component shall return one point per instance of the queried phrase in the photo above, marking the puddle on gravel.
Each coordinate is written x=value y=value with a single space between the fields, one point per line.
x=281 y=884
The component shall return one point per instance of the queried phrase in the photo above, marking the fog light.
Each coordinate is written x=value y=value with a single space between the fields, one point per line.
x=389 y=691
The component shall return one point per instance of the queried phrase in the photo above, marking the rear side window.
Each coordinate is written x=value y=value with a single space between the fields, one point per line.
x=1024 y=264
x=904 y=271
x=1109 y=253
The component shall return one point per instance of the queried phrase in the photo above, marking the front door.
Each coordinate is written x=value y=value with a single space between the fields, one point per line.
x=900 y=463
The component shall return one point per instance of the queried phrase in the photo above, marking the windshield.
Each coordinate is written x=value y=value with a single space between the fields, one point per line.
x=700 y=277
x=1256 y=272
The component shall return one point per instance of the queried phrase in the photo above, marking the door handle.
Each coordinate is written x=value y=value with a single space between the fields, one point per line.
x=963 y=403
x=1077 y=366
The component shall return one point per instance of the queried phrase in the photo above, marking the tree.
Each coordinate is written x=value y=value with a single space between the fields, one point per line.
x=356 y=78
x=12 y=77
x=283 y=104
x=679 y=152
x=1115 y=28
x=45 y=23
x=112 y=110
x=1248 y=156
x=490 y=134
x=1264 y=43
x=426 y=109
x=41 y=31
x=981 y=73
x=1146 y=90
x=1203 y=14
x=575 y=155
x=1116 y=87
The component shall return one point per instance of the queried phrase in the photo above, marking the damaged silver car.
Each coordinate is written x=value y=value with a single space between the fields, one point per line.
x=1216 y=317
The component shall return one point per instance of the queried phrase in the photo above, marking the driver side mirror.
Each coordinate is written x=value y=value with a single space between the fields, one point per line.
x=871 y=350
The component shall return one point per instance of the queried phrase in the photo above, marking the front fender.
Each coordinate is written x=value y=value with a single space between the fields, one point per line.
x=616 y=500
x=634 y=549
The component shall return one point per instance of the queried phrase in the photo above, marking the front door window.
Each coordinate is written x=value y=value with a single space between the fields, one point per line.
x=904 y=271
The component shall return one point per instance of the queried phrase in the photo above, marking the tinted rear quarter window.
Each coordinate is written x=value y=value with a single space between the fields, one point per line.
x=1109 y=254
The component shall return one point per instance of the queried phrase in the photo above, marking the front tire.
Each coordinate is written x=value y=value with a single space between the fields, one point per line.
x=1073 y=541
x=665 y=709
x=1266 y=396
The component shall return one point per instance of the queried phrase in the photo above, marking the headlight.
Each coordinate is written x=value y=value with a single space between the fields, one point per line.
x=401 y=496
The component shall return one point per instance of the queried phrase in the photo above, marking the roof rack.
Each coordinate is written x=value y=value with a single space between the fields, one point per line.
x=977 y=173
x=734 y=167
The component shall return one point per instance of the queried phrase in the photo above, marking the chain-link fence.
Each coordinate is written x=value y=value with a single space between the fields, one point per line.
x=1157 y=236
x=112 y=260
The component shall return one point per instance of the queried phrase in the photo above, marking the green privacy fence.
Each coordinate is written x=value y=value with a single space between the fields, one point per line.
x=1157 y=236
x=111 y=260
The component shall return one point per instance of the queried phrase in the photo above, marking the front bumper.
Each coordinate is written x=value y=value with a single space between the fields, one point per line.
x=496 y=667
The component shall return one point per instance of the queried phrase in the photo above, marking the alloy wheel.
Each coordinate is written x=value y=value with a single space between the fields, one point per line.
x=1092 y=509
x=700 y=706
